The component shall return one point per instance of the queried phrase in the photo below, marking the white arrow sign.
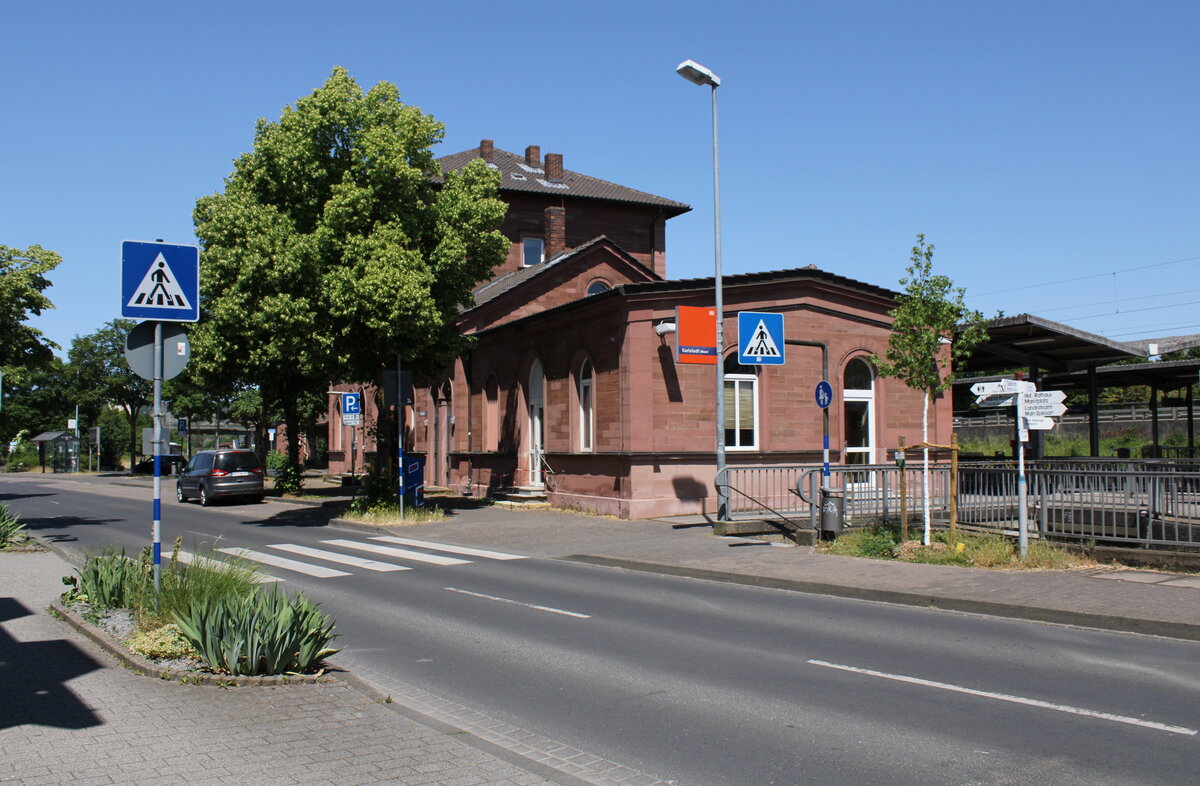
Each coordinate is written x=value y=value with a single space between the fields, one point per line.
x=997 y=400
x=1039 y=410
x=1045 y=403
x=1002 y=386
x=1039 y=423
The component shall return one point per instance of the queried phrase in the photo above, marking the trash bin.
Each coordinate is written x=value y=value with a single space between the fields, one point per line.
x=833 y=510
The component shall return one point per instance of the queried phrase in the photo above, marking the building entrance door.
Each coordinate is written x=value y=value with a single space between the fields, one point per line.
x=536 y=424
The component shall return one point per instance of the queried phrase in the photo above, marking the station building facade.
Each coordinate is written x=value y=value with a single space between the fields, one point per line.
x=571 y=389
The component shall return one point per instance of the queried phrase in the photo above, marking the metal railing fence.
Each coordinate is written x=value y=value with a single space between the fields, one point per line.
x=1143 y=503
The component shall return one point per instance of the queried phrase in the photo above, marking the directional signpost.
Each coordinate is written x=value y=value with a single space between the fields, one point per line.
x=1036 y=409
x=159 y=282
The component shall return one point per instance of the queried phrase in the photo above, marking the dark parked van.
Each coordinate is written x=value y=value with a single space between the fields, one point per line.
x=212 y=474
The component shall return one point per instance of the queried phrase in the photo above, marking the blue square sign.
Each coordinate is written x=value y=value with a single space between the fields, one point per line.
x=760 y=338
x=160 y=281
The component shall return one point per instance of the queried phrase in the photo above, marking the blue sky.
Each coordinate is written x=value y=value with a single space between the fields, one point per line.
x=1047 y=149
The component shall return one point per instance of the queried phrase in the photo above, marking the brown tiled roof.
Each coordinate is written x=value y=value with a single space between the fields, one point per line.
x=516 y=175
x=498 y=286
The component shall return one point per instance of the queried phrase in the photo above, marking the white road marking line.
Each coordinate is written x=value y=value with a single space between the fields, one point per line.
x=345 y=559
x=287 y=564
x=188 y=558
x=519 y=603
x=425 y=544
x=1014 y=699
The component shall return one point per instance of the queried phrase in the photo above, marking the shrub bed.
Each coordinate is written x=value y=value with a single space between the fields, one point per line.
x=209 y=615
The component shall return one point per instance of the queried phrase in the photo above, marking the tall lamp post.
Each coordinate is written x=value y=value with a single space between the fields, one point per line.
x=698 y=74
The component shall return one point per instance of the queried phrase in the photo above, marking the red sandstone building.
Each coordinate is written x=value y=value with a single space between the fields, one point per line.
x=571 y=389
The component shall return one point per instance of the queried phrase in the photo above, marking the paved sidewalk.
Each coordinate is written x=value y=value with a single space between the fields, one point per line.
x=70 y=714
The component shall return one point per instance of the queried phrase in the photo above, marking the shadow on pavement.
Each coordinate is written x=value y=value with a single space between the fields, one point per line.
x=29 y=495
x=302 y=516
x=33 y=677
x=40 y=526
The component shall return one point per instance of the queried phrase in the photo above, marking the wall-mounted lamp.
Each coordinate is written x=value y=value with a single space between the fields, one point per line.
x=663 y=328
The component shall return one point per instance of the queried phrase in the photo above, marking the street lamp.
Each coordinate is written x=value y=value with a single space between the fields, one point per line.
x=698 y=74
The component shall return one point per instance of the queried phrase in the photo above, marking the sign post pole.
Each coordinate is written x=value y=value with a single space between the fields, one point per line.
x=158 y=375
x=159 y=282
x=1022 y=491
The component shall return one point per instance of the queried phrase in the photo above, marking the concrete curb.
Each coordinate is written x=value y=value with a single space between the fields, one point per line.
x=1174 y=630
x=138 y=664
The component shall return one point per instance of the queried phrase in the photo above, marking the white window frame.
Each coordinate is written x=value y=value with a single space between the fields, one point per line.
x=861 y=396
x=541 y=250
x=736 y=381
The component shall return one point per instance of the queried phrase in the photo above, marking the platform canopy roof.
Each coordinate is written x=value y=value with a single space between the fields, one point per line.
x=1026 y=341
x=1166 y=375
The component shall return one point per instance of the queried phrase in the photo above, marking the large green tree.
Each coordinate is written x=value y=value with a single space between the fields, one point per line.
x=922 y=347
x=22 y=283
x=337 y=245
x=101 y=377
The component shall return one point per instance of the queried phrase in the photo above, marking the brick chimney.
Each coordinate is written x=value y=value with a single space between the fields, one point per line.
x=554 y=171
x=533 y=156
x=556 y=231
x=485 y=150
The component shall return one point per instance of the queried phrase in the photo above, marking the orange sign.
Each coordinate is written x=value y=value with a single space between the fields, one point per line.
x=696 y=335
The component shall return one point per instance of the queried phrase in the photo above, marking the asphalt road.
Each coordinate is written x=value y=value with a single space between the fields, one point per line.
x=700 y=682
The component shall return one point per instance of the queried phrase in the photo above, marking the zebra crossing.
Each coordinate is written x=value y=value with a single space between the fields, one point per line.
x=389 y=554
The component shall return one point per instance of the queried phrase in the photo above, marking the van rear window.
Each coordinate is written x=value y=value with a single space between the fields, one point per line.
x=237 y=461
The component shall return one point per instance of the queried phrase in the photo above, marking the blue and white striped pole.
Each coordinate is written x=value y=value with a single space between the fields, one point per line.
x=158 y=378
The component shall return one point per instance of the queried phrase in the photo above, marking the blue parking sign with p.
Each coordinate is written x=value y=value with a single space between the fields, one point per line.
x=351 y=403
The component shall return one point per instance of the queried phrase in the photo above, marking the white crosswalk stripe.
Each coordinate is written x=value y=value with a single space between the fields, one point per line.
x=188 y=558
x=343 y=559
x=287 y=564
x=324 y=555
x=433 y=559
x=469 y=552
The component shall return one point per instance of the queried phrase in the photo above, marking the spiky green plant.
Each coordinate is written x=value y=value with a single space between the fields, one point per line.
x=262 y=633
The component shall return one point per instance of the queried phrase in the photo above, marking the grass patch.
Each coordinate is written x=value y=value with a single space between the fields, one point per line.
x=388 y=515
x=882 y=541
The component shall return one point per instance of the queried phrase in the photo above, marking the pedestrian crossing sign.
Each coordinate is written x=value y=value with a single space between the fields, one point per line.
x=760 y=338
x=160 y=281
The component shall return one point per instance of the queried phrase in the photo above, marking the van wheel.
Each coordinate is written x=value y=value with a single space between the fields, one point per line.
x=204 y=500
x=179 y=494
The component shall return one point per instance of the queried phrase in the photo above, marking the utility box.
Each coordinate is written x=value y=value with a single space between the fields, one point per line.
x=833 y=510
x=414 y=480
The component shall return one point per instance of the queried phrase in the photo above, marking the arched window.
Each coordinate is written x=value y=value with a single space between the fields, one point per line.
x=587 y=407
x=596 y=287
x=741 y=405
x=858 y=412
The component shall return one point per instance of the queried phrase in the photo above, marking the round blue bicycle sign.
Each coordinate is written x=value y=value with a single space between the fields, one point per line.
x=824 y=394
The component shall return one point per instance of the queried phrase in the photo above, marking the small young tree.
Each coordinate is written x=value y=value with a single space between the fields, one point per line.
x=932 y=331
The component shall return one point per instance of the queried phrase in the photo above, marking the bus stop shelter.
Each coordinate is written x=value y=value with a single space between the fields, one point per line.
x=60 y=449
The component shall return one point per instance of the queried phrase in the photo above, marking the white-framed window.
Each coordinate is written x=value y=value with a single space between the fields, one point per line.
x=587 y=407
x=533 y=251
x=741 y=406
x=858 y=412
